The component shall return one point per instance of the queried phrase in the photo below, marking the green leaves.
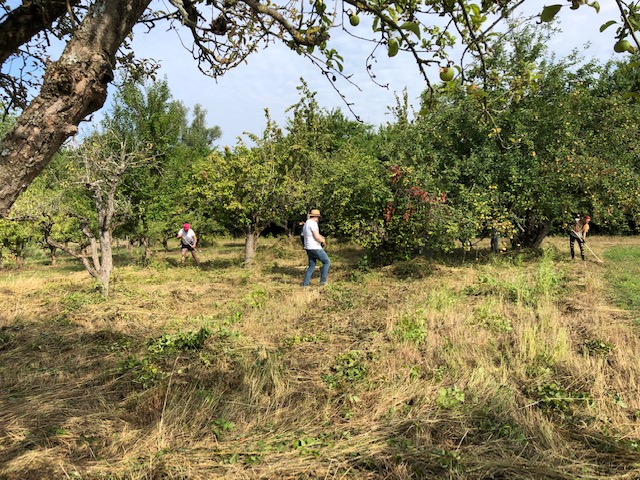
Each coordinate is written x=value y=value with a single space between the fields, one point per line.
x=411 y=26
x=548 y=13
x=604 y=26
x=392 y=47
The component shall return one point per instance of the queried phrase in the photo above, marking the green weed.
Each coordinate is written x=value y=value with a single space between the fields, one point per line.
x=442 y=299
x=349 y=369
x=178 y=342
x=141 y=372
x=256 y=298
x=595 y=347
x=411 y=328
x=76 y=301
x=5 y=338
x=298 y=339
x=450 y=397
x=220 y=426
x=486 y=315
x=552 y=396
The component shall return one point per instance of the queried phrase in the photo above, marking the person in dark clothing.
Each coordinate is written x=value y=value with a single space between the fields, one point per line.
x=579 y=233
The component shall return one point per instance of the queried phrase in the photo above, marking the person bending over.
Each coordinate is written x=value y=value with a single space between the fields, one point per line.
x=579 y=233
x=188 y=242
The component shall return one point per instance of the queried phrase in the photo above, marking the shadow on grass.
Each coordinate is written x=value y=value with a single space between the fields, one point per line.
x=233 y=245
x=219 y=264
x=55 y=384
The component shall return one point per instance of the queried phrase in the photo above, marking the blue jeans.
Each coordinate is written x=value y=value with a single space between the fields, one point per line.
x=315 y=255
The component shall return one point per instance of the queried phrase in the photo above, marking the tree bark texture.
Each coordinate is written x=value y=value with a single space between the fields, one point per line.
x=73 y=87
x=29 y=19
x=250 y=245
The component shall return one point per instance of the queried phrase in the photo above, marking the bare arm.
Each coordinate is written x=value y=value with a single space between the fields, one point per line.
x=319 y=238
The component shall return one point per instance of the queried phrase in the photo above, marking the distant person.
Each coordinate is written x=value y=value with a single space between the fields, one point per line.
x=579 y=233
x=495 y=242
x=188 y=241
x=314 y=244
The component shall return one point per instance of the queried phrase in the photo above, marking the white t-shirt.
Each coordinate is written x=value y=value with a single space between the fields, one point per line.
x=310 y=243
x=188 y=238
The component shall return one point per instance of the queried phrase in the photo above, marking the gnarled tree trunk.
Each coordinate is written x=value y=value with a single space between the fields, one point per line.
x=73 y=87
x=532 y=232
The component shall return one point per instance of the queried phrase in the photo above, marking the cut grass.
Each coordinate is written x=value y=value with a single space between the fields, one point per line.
x=508 y=366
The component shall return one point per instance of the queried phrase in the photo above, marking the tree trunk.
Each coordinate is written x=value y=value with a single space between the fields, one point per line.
x=531 y=234
x=147 y=250
x=250 y=245
x=52 y=255
x=73 y=87
x=106 y=263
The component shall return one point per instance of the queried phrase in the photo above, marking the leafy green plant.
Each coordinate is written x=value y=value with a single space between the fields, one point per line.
x=349 y=369
x=75 y=301
x=142 y=372
x=56 y=431
x=255 y=299
x=442 y=299
x=411 y=328
x=491 y=320
x=220 y=426
x=552 y=396
x=364 y=264
x=448 y=459
x=450 y=397
x=342 y=299
x=178 y=342
x=596 y=347
x=5 y=338
x=297 y=339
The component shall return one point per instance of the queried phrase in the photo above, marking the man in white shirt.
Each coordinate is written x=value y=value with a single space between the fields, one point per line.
x=188 y=241
x=314 y=244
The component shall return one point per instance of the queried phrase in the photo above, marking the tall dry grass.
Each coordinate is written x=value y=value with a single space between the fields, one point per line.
x=508 y=366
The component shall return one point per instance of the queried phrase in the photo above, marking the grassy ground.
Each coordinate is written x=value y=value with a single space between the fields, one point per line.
x=624 y=275
x=507 y=367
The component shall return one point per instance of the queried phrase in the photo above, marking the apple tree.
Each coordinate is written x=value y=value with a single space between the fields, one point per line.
x=247 y=189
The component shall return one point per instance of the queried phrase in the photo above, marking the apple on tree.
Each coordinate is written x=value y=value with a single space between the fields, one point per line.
x=446 y=74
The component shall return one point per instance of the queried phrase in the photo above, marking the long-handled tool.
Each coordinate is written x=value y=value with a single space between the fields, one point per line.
x=201 y=256
x=589 y=248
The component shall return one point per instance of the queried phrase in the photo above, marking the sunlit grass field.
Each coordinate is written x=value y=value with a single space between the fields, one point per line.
x=518 y=365
x=624 y=275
